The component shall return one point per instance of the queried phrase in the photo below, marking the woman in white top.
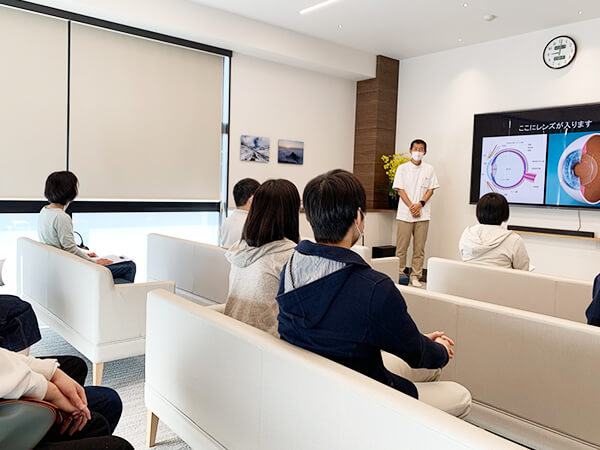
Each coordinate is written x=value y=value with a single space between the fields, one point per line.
x=55 y=227
x=268 y=240
x=489 y=242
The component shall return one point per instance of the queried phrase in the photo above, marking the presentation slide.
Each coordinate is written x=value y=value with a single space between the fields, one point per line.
x=573 y=161
x=514 y=166
x=538 y=157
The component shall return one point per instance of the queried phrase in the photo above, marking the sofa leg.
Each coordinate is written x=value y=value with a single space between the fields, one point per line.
x=151 y=429
x=97 y=370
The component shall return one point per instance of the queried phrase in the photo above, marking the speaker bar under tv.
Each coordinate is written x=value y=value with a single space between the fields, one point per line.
x=541 y=157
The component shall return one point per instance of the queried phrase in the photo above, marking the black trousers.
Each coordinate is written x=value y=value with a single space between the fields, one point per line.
x=97 y=432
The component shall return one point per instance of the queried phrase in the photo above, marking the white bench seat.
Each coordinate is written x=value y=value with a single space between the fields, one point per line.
x=200 y=271
x=555 y=296
x=241 y=388
x=79 y=300
x=533 y=377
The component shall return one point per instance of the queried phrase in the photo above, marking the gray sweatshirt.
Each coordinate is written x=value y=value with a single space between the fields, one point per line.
x=254 y=282
x=493 y=245
x=55 y=228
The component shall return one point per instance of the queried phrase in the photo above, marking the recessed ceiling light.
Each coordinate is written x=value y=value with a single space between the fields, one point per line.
x=459 y=39
x=580 y=12
x=465 y=4
x=317 y=6
x=489 y=17
x=340 y=26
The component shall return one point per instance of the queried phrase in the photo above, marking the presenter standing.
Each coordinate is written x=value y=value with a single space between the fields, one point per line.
x=415 y=182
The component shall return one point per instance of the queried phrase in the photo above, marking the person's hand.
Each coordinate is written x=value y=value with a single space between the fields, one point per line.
x=72 y=418
x=415 y=209
x=74 y=422
x=70 y=389
x=92 y=255
x=433 y=336
x=448 y=343
x=58 y=399
x=104 y=261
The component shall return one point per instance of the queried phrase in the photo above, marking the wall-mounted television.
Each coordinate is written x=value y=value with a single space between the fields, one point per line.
x=540 y=157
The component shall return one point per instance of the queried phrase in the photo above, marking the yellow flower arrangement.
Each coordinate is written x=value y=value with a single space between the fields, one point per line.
x=390 y=165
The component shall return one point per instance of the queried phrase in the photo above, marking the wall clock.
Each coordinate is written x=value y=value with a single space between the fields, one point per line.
x=559 y=52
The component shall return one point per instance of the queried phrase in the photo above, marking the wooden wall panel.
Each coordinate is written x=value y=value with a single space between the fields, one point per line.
x=375 y=129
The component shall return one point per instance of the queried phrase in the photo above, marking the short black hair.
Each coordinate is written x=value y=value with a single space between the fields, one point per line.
x=331 y=202
x=419 y=141
x=243 y=190
x=61 y=187
x=273 y=214
x=492 y=209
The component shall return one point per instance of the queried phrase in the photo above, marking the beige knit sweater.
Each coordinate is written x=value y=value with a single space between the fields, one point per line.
x=254 y=281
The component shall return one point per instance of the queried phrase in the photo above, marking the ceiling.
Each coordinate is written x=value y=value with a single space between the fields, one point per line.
x=405 y=28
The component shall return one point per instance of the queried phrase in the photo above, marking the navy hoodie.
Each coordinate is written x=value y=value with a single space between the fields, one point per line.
x=593 y=311
x=352 y=314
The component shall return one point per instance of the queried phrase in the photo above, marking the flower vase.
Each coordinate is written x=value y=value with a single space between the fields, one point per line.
x=393 y=201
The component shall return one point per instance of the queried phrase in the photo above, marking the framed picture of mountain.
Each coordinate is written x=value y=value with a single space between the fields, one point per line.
x=254 y=148
x=290 y=152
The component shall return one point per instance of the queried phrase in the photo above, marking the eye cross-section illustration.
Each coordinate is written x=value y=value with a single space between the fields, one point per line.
x=507 y=168
x=578 y=171
x=515 y=167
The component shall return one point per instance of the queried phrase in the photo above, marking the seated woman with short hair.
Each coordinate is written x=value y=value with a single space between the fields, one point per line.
x=55 y=227
x=489 y=242
x=270 y=235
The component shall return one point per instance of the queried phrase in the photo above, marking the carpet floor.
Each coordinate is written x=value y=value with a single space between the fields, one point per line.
x=126 y=376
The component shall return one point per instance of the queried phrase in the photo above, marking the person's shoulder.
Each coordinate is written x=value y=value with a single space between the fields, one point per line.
x=404 y=167
x=514 y=236
x=373 y=277
x=428 y=167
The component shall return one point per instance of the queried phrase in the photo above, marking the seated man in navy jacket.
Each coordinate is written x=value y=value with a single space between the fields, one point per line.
x=593 y=311
x=332 y=303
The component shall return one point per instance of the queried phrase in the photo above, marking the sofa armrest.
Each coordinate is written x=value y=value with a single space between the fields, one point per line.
x=139 y=291
x=218 y=308
x=388 y=265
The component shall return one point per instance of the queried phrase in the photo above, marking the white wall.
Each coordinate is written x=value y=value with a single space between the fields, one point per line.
x=440 y=93
x=283 y=102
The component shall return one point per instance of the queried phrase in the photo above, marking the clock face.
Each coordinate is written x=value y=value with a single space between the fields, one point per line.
x=559 y=52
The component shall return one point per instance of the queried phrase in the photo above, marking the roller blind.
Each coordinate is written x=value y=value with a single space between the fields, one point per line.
x=33 y=101
x=145 y=118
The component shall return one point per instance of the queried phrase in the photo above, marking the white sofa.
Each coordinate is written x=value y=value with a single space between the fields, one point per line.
x=200 y=271
x=388 y=265
x=79 y=300
x=545 y=294
x=258 y=392
x=533 y=378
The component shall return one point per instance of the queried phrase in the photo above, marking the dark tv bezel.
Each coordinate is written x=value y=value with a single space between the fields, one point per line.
x=560 y=112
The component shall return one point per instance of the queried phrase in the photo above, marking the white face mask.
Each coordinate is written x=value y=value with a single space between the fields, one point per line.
x=417 y=156
x=360 y=233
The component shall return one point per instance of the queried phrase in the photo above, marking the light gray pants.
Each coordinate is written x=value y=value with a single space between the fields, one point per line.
x=447 y=396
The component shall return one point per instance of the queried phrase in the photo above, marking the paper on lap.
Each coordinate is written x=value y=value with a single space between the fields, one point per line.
x=114 y=258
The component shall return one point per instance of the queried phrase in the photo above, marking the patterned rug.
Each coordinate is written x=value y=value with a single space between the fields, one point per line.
x=126 y=376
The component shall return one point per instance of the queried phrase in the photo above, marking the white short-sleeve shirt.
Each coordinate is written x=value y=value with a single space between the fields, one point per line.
x=232 y=227
x=415 y=181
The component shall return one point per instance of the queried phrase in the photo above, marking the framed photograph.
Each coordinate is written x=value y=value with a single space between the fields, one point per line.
x=254 y=148
x=290 y=152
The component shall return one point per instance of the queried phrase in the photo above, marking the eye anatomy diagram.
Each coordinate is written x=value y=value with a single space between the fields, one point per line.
x=514 y=166
x=578 y=171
